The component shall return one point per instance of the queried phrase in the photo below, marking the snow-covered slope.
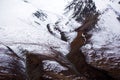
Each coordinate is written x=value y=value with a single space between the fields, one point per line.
x=23 y=27
x=103 y=49
x=55 y=6
x=23 y=24
x=104 y=44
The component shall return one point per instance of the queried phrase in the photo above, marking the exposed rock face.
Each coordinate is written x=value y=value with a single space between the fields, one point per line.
x=102 y=50
x=11 y=66
x=51 y=67
x=77 y=57
x=79 y=64
x=79 y=60
x=36 y=66
x=101 y=59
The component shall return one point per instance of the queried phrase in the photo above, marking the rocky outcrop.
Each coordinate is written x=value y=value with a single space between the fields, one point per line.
x=62 y=34
x=36 y=66
x=77 y=57
x=101 y=59
x=42 y=67
x=11 y=66
x=90 y=72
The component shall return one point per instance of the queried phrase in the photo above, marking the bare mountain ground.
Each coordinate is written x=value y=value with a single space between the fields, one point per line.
x=11 y=66
x=36 y=70
x=78 y=58
x=36 y=66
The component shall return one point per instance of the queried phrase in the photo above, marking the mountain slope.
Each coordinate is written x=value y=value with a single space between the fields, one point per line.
x=27 y=46
x=102 y=49
x=43 y=38
x=22 y=23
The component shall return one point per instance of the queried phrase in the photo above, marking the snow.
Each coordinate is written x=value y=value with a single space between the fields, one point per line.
x=101 y=4
x=17 y=26
x=54 y=6
x=20 y=28
x=53 y=66
x=110 y=29
x=106 y=36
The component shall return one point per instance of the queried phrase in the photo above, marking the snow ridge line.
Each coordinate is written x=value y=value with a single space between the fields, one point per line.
x=37 y=44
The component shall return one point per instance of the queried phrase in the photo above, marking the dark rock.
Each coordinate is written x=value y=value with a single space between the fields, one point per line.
x=109 y=62
x=77 y=57
x=63 y=34
x=39 y=67
x=25 y=1
x=118 y=18
x=119 y=2
x=11 y=67
x=40 y=15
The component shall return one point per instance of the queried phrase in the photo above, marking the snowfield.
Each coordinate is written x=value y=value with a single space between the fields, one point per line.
x=21 y=25
x=106 y=35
